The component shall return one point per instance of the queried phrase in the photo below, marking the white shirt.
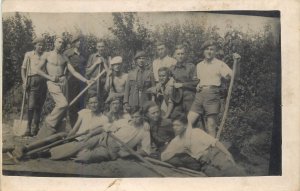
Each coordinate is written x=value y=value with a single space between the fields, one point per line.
x=33 y=59
x=158 y=63
x=132 y=136
x=90 y=121
x=210 y=74
x=199 y=142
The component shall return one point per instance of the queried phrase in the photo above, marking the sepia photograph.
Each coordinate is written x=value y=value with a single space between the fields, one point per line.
x=141 y=94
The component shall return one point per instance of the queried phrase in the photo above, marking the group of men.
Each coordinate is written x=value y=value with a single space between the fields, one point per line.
x=152 y=109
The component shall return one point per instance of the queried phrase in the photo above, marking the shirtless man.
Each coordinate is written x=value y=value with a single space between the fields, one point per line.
x=56 y=64
x=116 y=79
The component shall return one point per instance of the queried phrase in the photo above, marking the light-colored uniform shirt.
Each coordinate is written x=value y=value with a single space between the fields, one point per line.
x=210 y=74
x=132 y=136
x=158 y=63
x=90 y=121
x=33 y=59
x=195 y=146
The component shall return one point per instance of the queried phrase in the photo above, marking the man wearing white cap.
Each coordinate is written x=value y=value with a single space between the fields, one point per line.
x=116 y=80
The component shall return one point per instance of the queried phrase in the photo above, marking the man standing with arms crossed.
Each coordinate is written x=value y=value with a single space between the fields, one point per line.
x=207 y=100
x=56 y=64
x=36 y=86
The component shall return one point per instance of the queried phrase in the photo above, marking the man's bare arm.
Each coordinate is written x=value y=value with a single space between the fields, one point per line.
x=76 y=74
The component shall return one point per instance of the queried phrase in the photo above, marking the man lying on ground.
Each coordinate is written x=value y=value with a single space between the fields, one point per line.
x=213 y=158
x=134 y=132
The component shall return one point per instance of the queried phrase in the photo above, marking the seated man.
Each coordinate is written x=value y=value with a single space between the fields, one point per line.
x=134 y=133
x=116 y=111
x=160 y=129
x=213 y=157
x=162 y=91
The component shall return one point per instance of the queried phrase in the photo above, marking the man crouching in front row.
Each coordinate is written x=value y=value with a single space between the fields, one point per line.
x=197 y=146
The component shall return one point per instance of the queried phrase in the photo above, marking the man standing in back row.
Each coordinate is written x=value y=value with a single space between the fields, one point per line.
x=95 y=65
x=75 y=86
x=56 y=64
x=163 y=60
x=139 y=80
x=207 y=100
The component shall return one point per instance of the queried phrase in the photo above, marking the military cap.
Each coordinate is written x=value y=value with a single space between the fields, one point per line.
x=37 y=40
x=114 y=96
x=208 y=43
x=116 y=60
x=139 y=54
x=76 y=38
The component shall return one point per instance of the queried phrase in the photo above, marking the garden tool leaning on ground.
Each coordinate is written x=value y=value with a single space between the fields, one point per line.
x=20 y=126
x=227 y=100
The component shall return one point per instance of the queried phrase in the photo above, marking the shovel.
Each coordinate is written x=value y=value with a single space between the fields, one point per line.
x=20 y=126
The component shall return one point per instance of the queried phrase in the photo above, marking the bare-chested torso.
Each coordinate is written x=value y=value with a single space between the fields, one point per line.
x=56 y=63
x=119 y=83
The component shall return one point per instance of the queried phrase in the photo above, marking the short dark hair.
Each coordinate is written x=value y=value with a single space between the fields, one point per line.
x=164 y=69
x=148 y=105
x=179 y=47
x=182 y=118
x=135 y=109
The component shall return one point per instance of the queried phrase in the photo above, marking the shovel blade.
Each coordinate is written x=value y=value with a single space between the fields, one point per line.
x=19 y=127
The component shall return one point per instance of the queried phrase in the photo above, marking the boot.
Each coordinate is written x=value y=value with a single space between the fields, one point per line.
x=28 y=129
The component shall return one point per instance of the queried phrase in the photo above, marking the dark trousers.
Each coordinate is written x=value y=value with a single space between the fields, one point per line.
x=36 y=90
x=74 y=88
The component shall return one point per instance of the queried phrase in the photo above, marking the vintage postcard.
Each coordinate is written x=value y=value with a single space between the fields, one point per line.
x=142 y=96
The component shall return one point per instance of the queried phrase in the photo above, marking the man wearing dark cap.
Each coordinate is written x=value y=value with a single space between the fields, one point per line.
x=95 y=65
x=210 y=72
x=139 y=80
x=163 y=60
x=115 y=112
x=56 y=64
x=36 y=86
x=184 y=83
x=74 y=86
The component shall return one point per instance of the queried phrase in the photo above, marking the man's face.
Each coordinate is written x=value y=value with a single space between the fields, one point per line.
x=137 y=119
x=178 y=127
x=115 y=106
x=58 y=43
x=100 y=47
x=93 y=104
x=116 y=67
x=210 y=52
x=39 y=47
x=180 y=55
x=141 y=61
x=161 y=51
x=154 y=113
x=163 y=77
x=77 y=44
